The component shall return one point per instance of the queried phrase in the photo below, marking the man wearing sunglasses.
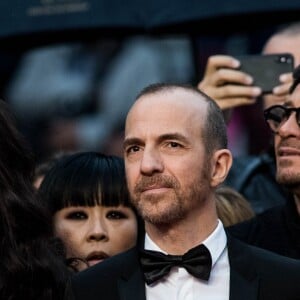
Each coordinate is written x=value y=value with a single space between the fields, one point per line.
x=278 y=229
x=253 y=175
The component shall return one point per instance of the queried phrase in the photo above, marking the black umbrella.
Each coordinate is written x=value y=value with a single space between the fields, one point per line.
x=72 y=18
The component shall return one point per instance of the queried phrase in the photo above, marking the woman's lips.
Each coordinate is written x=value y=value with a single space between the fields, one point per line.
x=96 y=257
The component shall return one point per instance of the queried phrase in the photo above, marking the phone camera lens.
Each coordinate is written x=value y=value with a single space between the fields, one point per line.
x=283 y=59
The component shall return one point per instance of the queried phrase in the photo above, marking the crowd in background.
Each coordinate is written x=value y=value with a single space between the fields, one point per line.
x=75 y=96
x=64 y=203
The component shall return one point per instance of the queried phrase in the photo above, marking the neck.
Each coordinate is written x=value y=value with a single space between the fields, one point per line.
x=179 y=237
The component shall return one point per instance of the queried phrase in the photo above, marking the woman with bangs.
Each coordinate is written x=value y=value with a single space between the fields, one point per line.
x=87 y=196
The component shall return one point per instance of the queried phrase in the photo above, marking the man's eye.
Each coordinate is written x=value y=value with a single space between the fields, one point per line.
x=115 y=215
x=133 y=149
x=174 y=145
x=77 y=215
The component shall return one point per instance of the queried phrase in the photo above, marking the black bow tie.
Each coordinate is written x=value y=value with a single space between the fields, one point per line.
x=155 y=265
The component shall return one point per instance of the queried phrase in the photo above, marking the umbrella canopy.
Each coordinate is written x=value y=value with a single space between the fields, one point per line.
x=94 y=17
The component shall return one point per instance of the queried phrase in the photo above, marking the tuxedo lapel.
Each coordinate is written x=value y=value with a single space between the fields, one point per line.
x=131 y=284
x=244 y=282
x=241 y=287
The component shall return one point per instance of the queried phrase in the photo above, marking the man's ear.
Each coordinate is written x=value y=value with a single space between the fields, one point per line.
x=221 y=164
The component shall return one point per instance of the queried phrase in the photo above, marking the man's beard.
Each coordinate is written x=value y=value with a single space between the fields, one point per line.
x=287 y=174
x=291 y=180
x=158 y=209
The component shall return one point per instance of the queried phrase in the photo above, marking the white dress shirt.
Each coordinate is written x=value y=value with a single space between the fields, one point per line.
x=180 y=285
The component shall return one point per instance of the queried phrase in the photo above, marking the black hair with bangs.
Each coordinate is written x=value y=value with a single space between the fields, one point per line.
x=85 y=179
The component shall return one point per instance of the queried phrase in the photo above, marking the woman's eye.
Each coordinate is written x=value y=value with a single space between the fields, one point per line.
x=115 y=215
x=77 y=215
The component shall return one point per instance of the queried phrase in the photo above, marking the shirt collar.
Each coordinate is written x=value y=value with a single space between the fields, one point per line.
x=215 y=243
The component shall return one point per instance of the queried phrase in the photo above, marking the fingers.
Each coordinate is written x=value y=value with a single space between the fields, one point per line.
x=227 y=85
x=225 y=76
x=286 y=82
x=230 y=96
x=236 y=90
x=215 y=67
x=215 y=62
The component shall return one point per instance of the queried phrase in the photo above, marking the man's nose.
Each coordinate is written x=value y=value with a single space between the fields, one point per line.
x=290 y=127
x=151 y=162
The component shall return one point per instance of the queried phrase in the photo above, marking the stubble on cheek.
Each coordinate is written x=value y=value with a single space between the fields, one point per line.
x=287 y=173
x=157 y=208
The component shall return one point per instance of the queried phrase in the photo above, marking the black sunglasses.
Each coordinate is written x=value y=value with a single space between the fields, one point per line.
x=277 y=115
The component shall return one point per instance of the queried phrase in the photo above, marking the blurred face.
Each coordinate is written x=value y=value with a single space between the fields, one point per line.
x=287 y=147
x=282 y=44
x=167 y=169
x=97 y=232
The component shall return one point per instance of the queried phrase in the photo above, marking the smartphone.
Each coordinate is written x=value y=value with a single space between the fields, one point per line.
x=266 y=69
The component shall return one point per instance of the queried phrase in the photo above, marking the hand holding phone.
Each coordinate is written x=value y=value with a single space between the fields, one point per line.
x=266 y=69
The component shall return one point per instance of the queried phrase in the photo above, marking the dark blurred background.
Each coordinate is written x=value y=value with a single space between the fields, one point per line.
x=70 y=69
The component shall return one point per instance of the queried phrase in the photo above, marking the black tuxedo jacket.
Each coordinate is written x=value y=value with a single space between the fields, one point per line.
x=254 y=274
x=276 y=229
